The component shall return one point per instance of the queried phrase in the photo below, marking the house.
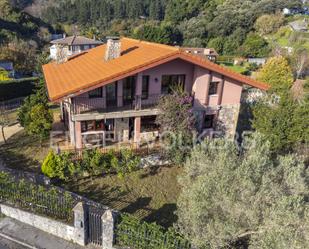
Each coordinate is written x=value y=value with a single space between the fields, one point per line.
x=8 y=67
x=57 y=36
x=299 y=25
x=111 y=92
x=207 y=53
x=72 y=45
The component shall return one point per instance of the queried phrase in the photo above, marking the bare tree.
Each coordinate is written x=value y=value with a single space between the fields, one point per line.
x=300 y=62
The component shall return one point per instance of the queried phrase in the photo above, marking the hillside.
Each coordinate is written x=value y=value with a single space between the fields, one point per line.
x=183 y=22
x=22 y=37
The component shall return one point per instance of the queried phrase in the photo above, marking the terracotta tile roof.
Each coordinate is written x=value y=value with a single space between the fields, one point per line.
x=89 y=70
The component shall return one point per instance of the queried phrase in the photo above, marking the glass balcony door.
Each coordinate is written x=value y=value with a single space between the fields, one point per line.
x=111 y=95
x=129 y=85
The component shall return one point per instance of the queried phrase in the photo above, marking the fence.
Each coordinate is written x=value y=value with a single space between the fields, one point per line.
x=10 y=105
x=37 y=199
x=142 y=151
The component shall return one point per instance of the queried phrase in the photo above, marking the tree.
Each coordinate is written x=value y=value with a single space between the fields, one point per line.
x=39 y=97
x=34 y=115
x=299 y=61
x=177 y=123
x=267 y=24
x=285 y=124
x=277 y=73
x=217 y=44
x=40 y=123
x=254 y=46
x=246 y=196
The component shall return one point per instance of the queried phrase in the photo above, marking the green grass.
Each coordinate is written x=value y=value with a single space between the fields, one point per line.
x=24 y=152
x=149 y=194
x=236 y=68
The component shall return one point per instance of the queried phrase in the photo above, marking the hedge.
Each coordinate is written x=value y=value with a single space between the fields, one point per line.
x=136 y=234
x=12 y=89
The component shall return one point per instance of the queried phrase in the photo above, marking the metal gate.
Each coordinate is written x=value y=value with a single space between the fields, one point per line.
x=95 y=226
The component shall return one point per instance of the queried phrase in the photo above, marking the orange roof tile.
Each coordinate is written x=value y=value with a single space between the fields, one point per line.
x=87 y=71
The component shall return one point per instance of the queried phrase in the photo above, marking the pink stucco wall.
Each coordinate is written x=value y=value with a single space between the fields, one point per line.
x=174 y=67
x=197 y=82
x=231 y=92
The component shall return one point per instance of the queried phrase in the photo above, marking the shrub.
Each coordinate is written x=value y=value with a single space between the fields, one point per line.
x=64 y=165
x=126 y=163
x=58 y=166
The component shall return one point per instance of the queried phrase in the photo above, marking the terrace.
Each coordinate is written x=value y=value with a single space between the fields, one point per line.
x=81 y=105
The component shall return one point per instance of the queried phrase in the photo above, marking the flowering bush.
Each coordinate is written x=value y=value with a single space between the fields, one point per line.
x=177 y=123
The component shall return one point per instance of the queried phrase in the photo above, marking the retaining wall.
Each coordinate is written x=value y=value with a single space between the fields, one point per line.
x=53 y=227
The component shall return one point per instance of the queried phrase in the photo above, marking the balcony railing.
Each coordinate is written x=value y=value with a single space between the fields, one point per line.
x=84 y=104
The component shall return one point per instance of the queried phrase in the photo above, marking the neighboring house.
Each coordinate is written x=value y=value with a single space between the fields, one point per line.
x=111 y=91
x=57 y=36
x=300 y=25
x=257 y=61
x=207 y=53
x=72 y=45
x=8 y=67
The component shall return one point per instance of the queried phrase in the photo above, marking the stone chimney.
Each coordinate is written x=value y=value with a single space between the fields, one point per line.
x=113 y=48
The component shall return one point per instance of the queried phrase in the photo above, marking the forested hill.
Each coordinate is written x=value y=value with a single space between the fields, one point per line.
x=192 y=22
x=22 y=37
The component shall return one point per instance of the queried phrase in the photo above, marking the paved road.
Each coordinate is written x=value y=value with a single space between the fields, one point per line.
x=7 y=244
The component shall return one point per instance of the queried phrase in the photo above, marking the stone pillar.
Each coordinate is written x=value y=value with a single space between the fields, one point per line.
x=137 y=130
x=108 y=229
x=78 y=135
x=80 y=224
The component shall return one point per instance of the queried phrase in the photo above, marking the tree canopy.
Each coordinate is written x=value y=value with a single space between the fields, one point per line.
x=244 y=196
x=277 y=73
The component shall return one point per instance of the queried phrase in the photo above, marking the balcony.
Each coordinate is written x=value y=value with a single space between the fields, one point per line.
x=84 y=105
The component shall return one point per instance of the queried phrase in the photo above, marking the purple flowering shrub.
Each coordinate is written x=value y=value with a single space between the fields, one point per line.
x=177 y=122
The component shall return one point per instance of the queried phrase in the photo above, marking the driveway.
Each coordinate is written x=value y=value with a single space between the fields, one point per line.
x=7 y=244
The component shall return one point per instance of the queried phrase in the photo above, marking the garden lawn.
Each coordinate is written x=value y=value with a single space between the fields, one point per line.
x=24 y=152
x=150 y=194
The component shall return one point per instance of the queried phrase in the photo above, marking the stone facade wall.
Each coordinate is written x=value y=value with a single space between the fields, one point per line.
x=227 y=120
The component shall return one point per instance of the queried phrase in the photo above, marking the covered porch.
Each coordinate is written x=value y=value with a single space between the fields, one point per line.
x=111 y=132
